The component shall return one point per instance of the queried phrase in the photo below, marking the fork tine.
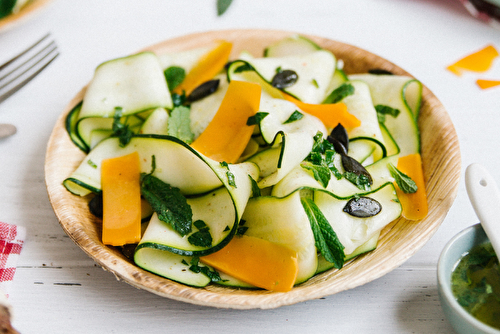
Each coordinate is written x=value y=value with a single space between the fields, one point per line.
x=20 y=85
x=7 y=63
x=22 y=68
x=52 y=44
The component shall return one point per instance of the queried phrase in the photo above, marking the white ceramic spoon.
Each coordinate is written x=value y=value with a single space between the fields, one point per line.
x=485 y=198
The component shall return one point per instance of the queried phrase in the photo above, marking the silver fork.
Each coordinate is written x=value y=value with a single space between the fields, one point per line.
x=21 y=69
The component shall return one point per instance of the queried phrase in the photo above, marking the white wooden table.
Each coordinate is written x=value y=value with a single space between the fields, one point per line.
x=59 y=289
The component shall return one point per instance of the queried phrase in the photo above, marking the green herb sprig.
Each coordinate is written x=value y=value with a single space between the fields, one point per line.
x=257 y=118
x=383 y=111
x=326 y=239
x=179 y=124
x=167 y=201
x=340 y=93
x=321 y=161
x=174 y=76
x=295 y=116
x=195 y=267
x=121 y=130
x=202 y=237
x=404 y=182
x=222 y=6
x=230 y=176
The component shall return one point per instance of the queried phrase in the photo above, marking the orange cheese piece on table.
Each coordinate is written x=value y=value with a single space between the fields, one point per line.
x=256 y=261
x=414 y=205
x=227 y=135
x=121 y=196
x=484 y=84
x=331 y=114
x=479 y=61
x=208 y=66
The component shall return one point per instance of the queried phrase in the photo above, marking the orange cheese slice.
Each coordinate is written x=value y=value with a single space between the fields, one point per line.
x=479 y=61
x=121 y=200
x=228 y=134
x=256 y=261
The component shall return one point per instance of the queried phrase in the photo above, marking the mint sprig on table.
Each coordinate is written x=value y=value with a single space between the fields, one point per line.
x=222 y=6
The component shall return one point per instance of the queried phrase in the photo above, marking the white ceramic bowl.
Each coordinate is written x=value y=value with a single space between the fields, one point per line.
x=460 y=244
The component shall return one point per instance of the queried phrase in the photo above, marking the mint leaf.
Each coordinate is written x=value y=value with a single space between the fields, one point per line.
x=241 y=228
x=340 y=93
x=321 y=173
x=404 y=182
x=197 y=268
x=229 y=174
x=178 y=99
x=255 y=187
x=320 y=146
x=257 y=118
x=295 y=116
x=326 y=239
x=329 y=161
x=383 y=110
x=359 y=180
x=222 y=6
x=174 y=76
x=121 y=130
x=202 y=237
x=6 y=7
x=321 y=160
x=168 y=203
x=179 y=124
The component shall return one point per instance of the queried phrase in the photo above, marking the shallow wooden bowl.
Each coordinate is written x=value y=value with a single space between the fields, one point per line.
x=31 y=8
x=398 y=241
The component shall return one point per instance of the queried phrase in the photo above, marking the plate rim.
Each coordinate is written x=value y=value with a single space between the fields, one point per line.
x=318 y=286
x=32 y=8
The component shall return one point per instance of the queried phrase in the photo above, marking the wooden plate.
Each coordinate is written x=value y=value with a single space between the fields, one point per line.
x=29 y=10
x=399 y=240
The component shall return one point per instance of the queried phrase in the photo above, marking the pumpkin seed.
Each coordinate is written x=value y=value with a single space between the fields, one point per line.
x=362 y=207
x=353 y=166
x=339 y=136
x=95 y=205
x=284 y=79
x=203 y=90
x=379 y=71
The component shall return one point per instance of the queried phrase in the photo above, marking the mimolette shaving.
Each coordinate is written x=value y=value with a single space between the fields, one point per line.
x=484 y=84
x=480 y=62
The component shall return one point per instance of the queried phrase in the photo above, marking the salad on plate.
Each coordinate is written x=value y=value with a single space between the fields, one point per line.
x=253 y=172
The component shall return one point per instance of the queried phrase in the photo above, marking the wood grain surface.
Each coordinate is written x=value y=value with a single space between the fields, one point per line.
x=399 y=240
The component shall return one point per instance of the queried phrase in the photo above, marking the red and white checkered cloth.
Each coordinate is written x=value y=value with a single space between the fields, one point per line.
x=11 y=243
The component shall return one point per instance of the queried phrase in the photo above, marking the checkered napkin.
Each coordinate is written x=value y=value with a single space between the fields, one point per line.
x=11 y=242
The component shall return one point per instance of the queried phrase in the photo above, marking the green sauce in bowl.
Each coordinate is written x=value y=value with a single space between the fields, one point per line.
x=475 y=283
